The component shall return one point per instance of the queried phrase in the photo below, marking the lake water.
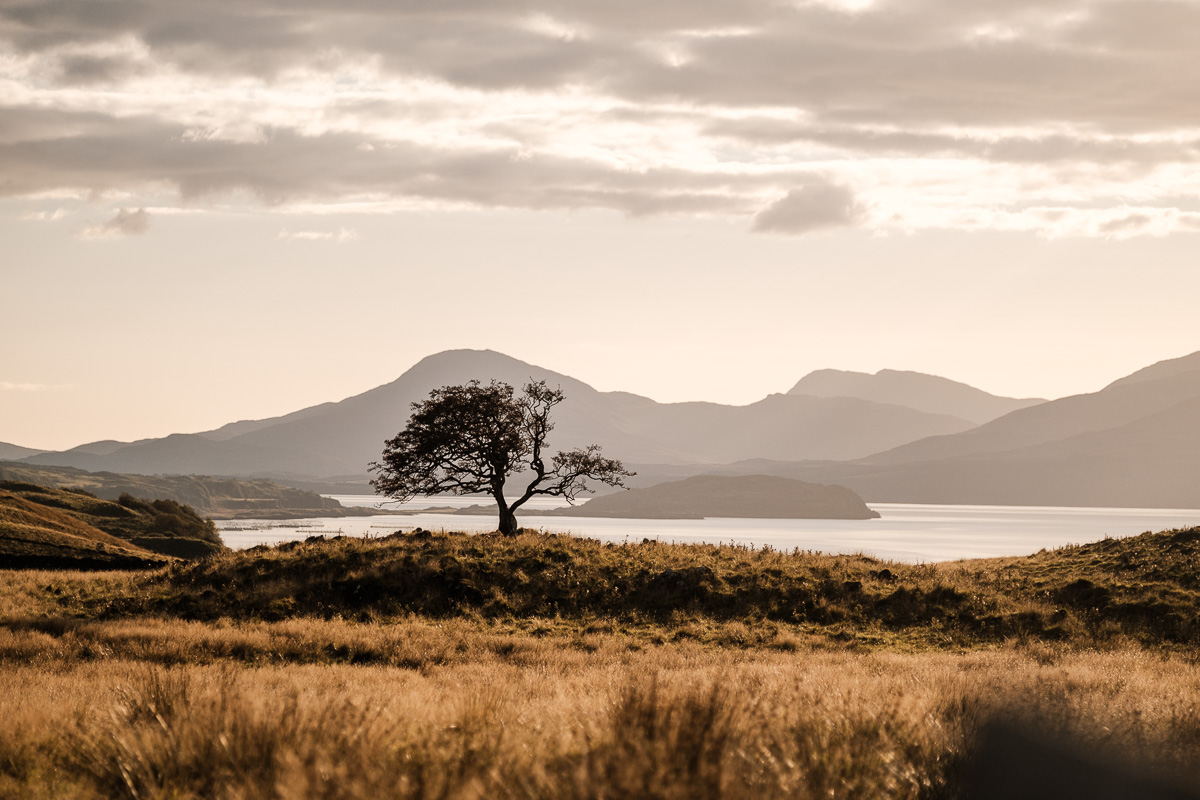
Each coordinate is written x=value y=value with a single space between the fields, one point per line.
x=905 y=532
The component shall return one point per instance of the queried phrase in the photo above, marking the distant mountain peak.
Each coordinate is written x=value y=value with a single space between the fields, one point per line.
x=923 y=392
x=469 y=355
x=484 y=365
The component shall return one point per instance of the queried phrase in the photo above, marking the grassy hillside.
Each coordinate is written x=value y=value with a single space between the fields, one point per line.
x=1144 y=588
x=62 y=528
x=220 y=498
x=36 y=536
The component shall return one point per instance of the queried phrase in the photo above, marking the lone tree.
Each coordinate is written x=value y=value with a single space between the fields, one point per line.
x=471 y=438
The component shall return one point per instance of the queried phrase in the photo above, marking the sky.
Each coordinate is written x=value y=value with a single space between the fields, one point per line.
x=213 y=211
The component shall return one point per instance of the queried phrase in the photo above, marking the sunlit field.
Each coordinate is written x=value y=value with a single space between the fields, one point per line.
x=106 y=692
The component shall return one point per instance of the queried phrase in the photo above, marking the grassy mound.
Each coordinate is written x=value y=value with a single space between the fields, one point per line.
x=50 y=528
x=35 y=536
x=1144 y=587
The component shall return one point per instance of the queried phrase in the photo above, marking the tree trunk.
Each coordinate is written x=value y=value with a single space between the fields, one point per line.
x=508 y=521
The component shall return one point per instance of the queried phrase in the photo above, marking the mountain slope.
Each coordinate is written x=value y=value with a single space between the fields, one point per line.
x=102 y=448
x=1119 y=404
x=1162 y=369
x=1152 y=462
x=1135 y=443
x=928 y=393
x=337 y=439
x=11 y=452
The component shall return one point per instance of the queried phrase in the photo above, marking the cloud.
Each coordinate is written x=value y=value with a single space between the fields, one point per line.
x=338 y=236
x=937 y=111
x=45 y=216
x=126 y=223
x=814 y=206
x=289 y=167
x=926 y=61
x=1019 y=147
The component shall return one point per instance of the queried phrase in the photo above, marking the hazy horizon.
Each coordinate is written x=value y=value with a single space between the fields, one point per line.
x=212 y=213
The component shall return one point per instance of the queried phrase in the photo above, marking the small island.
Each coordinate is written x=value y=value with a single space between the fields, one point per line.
x=744 y=496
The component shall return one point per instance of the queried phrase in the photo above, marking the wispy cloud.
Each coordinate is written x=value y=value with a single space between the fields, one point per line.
x=337 y=237
x=45 y=216
x=127 y=222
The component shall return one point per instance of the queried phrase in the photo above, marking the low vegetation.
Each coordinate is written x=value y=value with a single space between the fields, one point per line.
x=450 y=666
x=72 y=528
x=1144 y=588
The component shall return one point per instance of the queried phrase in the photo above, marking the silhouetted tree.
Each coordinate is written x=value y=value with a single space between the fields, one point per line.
x=471 y=438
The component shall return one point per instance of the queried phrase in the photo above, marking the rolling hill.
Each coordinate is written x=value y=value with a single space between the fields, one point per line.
x=34 y=536
x=48 y=528
x=11 y=452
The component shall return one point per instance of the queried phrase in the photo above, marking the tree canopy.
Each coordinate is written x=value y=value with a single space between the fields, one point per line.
x=471 y=438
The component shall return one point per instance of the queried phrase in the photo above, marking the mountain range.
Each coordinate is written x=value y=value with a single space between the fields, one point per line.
x=1134 y=443
x=340 y=439
x=892 y=436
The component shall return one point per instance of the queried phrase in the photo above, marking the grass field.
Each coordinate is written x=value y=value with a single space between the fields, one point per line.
x=551 y=667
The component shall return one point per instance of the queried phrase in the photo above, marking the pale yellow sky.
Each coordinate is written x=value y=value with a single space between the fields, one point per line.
x=214 y=211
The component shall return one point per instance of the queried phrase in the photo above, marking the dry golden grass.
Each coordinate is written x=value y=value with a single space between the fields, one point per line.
x=675 y=721
x=102 y=697
x=33 y=530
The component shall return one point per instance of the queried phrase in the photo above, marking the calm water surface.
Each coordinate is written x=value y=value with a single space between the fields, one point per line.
x=906 y=532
